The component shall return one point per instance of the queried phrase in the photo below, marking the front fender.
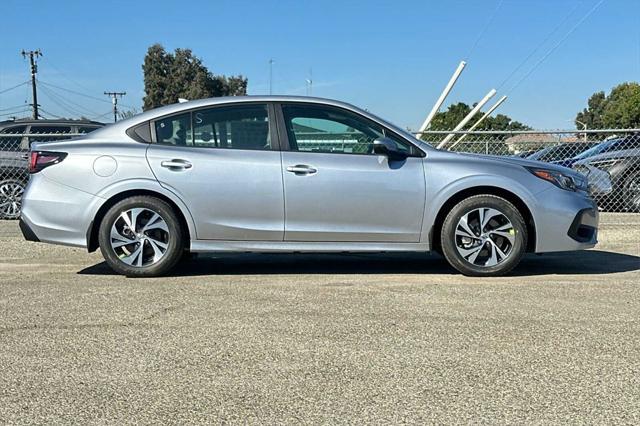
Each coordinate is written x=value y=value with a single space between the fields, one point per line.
x=438 y=195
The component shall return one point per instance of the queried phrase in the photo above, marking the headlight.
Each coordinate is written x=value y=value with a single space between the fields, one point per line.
x=561 y=180
x=605 y=165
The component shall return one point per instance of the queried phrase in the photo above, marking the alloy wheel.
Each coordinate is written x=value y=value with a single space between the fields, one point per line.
x=140 y=237
x=484 y=237
x=10 y=199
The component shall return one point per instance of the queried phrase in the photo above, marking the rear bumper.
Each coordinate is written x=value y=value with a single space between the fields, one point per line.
x=27 y=232
x=55 y=213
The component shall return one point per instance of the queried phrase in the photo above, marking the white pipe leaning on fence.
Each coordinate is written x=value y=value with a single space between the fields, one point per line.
x=469 y=116
x=477 y=123
x=442 y=97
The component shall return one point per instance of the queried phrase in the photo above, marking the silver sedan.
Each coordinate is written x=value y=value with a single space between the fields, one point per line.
x=292 y=174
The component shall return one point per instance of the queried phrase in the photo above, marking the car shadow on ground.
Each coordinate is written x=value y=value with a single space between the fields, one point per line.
x=566 y=263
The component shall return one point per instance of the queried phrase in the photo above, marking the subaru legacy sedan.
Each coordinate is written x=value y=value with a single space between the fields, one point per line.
x=294 y=174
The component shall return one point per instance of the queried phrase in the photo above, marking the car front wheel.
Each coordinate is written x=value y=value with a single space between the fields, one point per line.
x=141 y=237
x=484 y=235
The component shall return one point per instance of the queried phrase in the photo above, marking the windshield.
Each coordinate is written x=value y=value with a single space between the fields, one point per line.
x=601 y=147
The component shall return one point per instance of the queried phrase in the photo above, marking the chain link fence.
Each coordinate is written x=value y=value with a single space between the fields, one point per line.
x=15 y=140
x=610 y=158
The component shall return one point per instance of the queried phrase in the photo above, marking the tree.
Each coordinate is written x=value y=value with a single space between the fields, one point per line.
x=619 y=109
x=169 y=76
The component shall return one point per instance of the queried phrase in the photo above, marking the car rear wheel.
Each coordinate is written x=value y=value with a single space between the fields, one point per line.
x=11 y=191
x=141 y=237
x=484 y=235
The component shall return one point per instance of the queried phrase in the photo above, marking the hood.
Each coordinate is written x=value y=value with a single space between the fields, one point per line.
x=524 y=163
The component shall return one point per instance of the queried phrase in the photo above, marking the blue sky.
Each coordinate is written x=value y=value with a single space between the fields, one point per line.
x=391 y=57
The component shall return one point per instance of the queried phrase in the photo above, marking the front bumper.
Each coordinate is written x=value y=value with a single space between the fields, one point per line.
x=565 y=221
x=584 y=228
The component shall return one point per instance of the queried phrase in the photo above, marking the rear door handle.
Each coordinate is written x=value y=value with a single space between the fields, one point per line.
x=176 y=164
x=302 y=169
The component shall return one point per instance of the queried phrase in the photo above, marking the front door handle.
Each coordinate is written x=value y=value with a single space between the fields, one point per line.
x=176 y=164
x=302 y=169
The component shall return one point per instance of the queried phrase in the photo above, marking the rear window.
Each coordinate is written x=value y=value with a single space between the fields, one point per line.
x=38 y=130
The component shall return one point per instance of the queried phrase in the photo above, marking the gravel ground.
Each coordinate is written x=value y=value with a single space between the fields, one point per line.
x=321 y=338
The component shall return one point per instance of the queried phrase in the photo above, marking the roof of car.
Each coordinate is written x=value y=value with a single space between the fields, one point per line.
x=120 y=127
x=47 y=122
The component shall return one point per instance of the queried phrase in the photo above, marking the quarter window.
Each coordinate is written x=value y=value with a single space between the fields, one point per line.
x=332 y=130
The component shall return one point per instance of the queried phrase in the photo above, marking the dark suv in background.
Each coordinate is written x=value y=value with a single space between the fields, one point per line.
x=14 y=151
x=619 y=158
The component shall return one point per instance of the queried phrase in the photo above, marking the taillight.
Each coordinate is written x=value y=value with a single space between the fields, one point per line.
x=43 y=159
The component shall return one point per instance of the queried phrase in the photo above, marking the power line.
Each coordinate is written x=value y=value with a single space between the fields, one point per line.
x=14 y=87
x=66 y=103
x=60 y=102
x=48 y=62
x=52 y=115
x=78 y=93
x=555 y=47
x=484 y=30
x=13 y=107
x=535 y=50
x=23 y=110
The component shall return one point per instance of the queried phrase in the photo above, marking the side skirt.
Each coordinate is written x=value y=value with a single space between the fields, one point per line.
x=203 y=246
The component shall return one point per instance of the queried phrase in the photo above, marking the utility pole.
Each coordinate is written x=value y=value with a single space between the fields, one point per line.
x=114 y=101
x=271 y=76
x=33 y=55
x=310 y=83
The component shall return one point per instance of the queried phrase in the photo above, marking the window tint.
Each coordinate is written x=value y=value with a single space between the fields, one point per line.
x=332 y=130
x=234 y=127
x=174 y=130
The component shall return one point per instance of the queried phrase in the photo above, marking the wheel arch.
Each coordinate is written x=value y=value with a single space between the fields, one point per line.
x=434 y=241
x=94 y=227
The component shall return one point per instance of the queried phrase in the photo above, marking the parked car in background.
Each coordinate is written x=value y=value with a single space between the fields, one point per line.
x=524 y=154
x=622 y=168
x=14 y=154
x=612 y=144
x=294 y=174
x=561 y=151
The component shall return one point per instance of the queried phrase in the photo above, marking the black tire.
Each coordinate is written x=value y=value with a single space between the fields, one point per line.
x=449 y=242
x=174 y=236
x=11 y=191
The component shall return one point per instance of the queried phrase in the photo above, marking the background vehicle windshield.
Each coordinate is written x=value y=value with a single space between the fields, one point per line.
x=600 y=148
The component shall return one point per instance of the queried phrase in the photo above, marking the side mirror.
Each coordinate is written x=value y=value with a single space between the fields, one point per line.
x=387 y=147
